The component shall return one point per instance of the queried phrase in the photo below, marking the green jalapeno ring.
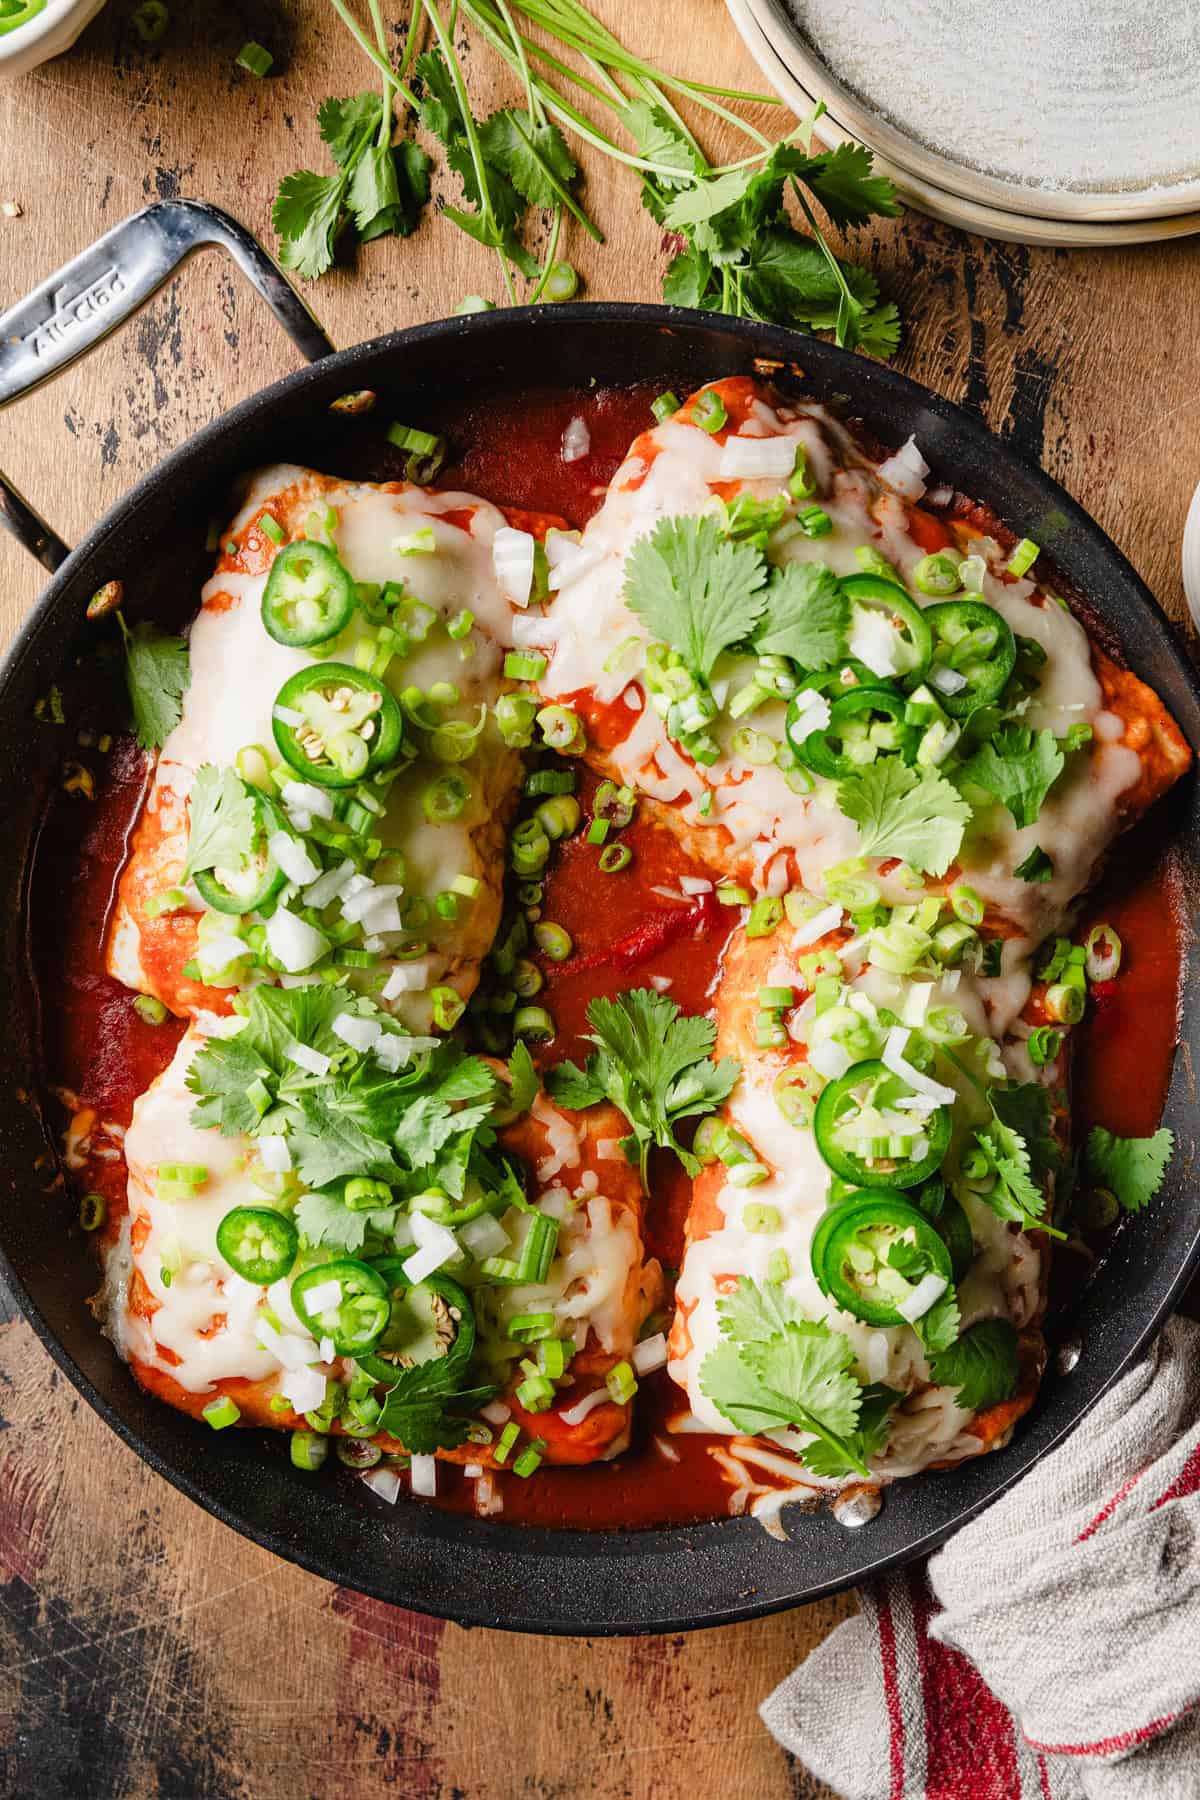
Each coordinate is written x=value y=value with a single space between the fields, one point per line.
x=218 y=896
x=873 y=591
x=877 y=1210
x=952 y=623
x=824 y=752
x=361 y=1315
x=936 y=1125
x=299 y=693
x=391 y=1270
x=309 y=597
x=258 y=1243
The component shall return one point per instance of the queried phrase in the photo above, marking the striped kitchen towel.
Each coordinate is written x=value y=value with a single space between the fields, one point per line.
x=1051 y=1651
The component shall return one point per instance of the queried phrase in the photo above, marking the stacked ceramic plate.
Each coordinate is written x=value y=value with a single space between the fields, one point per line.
x=1068 y=122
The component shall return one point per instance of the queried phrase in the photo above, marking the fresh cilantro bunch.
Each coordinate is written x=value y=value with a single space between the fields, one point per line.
x=430 y=1125
x=655 y=1064
x=378 y=186
x=741 y=251
x=776 y=1369
x=157 y=673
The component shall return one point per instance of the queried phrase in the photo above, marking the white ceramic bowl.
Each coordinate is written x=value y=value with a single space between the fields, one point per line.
x=52 y=31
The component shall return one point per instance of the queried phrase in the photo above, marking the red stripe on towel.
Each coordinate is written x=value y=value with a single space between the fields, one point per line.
x=1124 y=1740
x=970 y=1753
x=891 y=1693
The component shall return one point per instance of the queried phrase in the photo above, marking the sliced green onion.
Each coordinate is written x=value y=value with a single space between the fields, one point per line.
x=708 y=412
x=222 y=1412
x=664 y=406
x=93 y=1210
x=1065 y=1004
x=621 y=1384
x=769 y=1031
x=757 y=1216
x=150 y=21
x=171 y=900
x=256 y=60
x=505 y=1442
x=562 y=730
x=549 y=781
x=530 y=1459
x=801 y=485
x=613 y=858
x=1044 y=1044
x=525 y=665
x=272 y=528
x=553 y=941
x=558 y=816
x=446 y=799
x=527 y=979
x=779 y=1267
x=765 y=915
x=528 y=847
x=562 y=283
x=408 y=437
x=473 y=303
x=1103 y=950
x=966 y=905
x=776 y=999
x=814 y=522
x=553 y=1355
x=597 y=831
x=309 y=1448
x=937 y=574
x=448 y=1007
x=150 y=1010
x=1023 y=557
x=536 y=1393
x=533 y=1024
x=731 y=895
x=795 y=1091
x=527 y=1328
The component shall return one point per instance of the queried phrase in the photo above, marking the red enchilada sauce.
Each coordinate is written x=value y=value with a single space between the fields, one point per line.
x=624 y=934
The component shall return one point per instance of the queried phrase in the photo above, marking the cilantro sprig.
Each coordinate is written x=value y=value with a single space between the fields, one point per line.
x=655 y=1064
x=914 y=815
x=1131 y=1168
x=222 y=820
x=379 y=186
x=777 y=1368
x=982 y=1364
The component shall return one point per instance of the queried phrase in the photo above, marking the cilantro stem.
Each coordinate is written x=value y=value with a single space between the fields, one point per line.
x=532 y=100
x=468 y=117
x=544 y=277
x=846 y=330
x=368 y=49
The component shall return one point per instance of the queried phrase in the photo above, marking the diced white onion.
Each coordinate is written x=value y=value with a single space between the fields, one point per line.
x=633 y=698
x=830 y=1059
x=951 y=979
x=609 y=1150
x=394 y=1051
x=317 y=802
x=814 y=717
x=219 y=952
x=436 y=1246
x=560 y=546
x=496 y=1413
x=384 y=1482
x=575 y=1415
x=577 y=441
x=294 y=942
x=666 y=893
x=286 y=716
x=326 y=1293
x=929 y=1289
x=360 y=1034
x=905 y=471
x=329 y=886
x=874 y=640
x=941 y=496
x=484 y=1236
x=877 y=1356
x=402 y=1236
x=383 y=916
x=532 y=631
x=893 y=1059
x=660 y=983
x=695 y=884
x=422 y=1476
x=305 y=1057
x=574 y=565
x=274 y=1154
x=472 y=1471
x=356 y=906
x=650 y=1354
x=328 y=1349
x=947 y=681
x=305 y=1388
x=809 y=930
x=745 y=458
x=512 y=559
x=295 y=1350
x=407 y=978
x=292 y=857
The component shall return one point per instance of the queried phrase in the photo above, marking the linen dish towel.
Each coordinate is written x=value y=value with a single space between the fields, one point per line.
x=1051 y=1650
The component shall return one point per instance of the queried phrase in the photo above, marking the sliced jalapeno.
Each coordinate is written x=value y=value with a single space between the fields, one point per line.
x=309 y=596
x=258 y=1243
x=861 y=1248
x=349 y=724
x=355 y=1305
x=433 y=1319
x=865 y=722
x=249 y=888
x=865 y=1139
x=974 y=641
x=914 y=641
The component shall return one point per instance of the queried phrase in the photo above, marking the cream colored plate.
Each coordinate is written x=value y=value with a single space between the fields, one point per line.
x=769 y=44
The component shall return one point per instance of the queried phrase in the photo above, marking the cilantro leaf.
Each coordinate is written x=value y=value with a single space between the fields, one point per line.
x=1019 y=767
x=219 y=1074
x=1025 y=1107
x=345 y=125
x=535 y=158
x=523 y=1078
x=330 y=1142
x=1133 y=1168
x=919 y=818
x=416 y=1411
x=307 y=214
x=325 y=1220
x=157 y=674
x=1015 y=1194
x=832 y=1461
x=754 y=1313
x=909 y=1260
x=982 y=1364
x=848 y=190
x=1036 y=867
x=661 y=141
x=805 y=616
x=939 y=1327
x=222 y=821
x=654 y=1063
x=687 y=279
x=695 y=589
x=388 y=189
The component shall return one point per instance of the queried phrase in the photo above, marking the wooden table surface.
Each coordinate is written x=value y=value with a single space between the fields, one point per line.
x=144 y=1649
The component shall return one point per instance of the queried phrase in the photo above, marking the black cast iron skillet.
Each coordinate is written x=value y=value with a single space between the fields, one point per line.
x=487 y=1572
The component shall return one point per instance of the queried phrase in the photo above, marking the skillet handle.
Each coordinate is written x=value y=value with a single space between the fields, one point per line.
x=90 y=296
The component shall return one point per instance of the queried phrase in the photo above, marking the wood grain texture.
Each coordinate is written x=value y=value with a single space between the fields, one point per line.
x=145 y=1650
